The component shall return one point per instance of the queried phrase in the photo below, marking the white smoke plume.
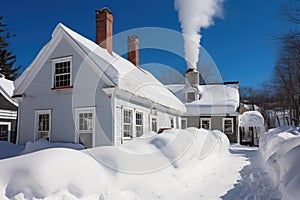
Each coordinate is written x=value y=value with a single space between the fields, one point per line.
x=194 y=15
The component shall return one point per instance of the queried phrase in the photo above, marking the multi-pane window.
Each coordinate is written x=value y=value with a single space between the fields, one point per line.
x=191 y=96
x=183 y=123
x=43 y=123
x=86 y=121
x=127 y=124
x=139 y=124
x=154 y=124
x=227 y=125
x=62 y=72
x=206 y=123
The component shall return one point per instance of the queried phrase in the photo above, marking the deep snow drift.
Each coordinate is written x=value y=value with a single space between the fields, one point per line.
x=178 y=164
x=281 y=150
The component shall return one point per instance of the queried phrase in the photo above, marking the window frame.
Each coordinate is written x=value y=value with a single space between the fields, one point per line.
x=194 y=97
x=129 y=124
x=36 y=129
x=186 y=120
x=232 y=125
x=8 y=124
x=205 y=119
x=61 y=60
x=141 y=126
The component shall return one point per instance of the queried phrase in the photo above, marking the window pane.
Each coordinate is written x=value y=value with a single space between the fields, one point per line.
x=86 y=121
x=127 y=123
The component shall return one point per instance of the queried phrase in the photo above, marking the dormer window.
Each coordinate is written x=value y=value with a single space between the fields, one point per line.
x=62 y=73
x=191 y=96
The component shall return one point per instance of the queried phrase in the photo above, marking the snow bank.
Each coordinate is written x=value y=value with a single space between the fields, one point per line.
x=52 y=173
x=174 y=148
x=44 y=144
x=281 y=150
x=149 y=167
x=8 y=149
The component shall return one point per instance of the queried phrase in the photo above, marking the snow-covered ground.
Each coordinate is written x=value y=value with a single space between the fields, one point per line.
x=177 y=164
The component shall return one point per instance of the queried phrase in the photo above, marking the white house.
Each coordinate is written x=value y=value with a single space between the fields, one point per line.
x=8 y=111
x=209 y=106
x=77 y=91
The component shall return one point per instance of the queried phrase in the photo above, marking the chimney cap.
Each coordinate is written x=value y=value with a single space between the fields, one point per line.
x=105 y=9
x=191 y=70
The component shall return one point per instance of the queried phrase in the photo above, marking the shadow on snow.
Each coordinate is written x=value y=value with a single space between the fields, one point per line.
x=255 y=182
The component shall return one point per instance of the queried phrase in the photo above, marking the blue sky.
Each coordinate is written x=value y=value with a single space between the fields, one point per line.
x=242 y=44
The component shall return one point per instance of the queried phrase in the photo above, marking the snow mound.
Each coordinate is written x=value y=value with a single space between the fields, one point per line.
x=251 y=118
x=52 y=173
x=281 y=150
x=44 y=144
x=176 y=148
x=162 y=162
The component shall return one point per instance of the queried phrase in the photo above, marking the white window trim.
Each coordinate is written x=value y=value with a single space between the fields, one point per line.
x=205 y=119
x=85 y=110
x=184 y=119
x=37 y=113
x=132 y=124
x=8 y=129
x=59 y=60
x=223 y=124
x=143 y=122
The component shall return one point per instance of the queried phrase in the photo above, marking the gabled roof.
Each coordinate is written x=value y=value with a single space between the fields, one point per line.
x=214 y=99
x=121 y=73
x=6 y=92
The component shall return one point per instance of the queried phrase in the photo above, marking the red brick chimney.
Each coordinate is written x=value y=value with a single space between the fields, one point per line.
x=133 y=50
x=104 y=25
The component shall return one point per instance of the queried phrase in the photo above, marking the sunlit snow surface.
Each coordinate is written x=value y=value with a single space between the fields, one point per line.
x=177 y=164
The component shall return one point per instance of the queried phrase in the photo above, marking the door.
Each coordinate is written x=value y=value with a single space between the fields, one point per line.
x=5 y=131
x=85 y=125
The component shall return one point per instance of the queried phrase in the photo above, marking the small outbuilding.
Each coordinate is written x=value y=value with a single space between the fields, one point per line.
x=251 y=125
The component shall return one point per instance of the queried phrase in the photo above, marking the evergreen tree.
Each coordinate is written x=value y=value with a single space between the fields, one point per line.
x=7 y=58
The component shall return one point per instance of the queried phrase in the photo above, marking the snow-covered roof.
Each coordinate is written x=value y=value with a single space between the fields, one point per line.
x=251 y=118
x=215 y=99
x=122 y=73
x=7 y=86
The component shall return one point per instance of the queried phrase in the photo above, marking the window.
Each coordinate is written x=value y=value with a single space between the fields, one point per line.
x=62 y=72
x=5 y=131
x=85 y=126
x=206 y=123
x=86 y=122
x=191 y=96
x=183 y=123
x=43 y=124
x=127 y=124
x=228 y=125
x=172 y=122
x=154 y=124
x=139 y=124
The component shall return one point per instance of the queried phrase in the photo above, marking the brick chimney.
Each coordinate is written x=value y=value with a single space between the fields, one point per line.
x=133 y=50
x=104 y=25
